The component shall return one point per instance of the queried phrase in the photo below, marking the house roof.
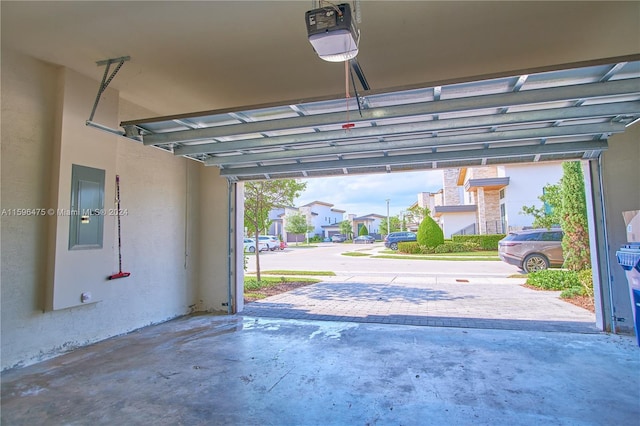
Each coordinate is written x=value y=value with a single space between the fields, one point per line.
x=324 y=203
x=371 y=216
x=493 y=183
x=465 y=208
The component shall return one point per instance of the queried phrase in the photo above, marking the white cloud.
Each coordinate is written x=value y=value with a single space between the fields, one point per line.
x=365 y=194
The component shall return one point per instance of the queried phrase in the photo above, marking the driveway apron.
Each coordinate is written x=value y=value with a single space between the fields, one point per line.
x=440 y=299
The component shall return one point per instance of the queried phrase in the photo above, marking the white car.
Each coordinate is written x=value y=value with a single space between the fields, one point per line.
x=271 y=241
x=250 y=245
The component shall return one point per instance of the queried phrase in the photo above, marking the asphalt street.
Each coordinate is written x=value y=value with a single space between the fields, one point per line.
x=329 y=257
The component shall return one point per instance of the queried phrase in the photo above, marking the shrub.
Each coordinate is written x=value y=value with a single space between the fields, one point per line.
x=485 y=242
x=554 y=279
x=412 y=247
x=363 y=230
x=572 y=292
x=409 y=247
x=429 y=233
x=573 y=218
x=451 y=247
x=586 y=280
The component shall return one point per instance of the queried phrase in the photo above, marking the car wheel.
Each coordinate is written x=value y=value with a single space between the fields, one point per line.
x=393 y=246
x=535 y=262
x=273 y=248
x=252 y=249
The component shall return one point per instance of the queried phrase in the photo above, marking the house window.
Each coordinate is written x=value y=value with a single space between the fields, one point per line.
x=501 y=194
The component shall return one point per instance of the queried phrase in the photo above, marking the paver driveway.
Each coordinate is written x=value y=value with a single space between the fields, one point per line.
x=435 y=299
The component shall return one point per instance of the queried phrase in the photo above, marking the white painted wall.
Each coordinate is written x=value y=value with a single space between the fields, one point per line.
x=324 y=215
x=174 y=235
x=525 y=186
x=621 y=188
x=374 y=225
x=454 y=222
x=213 y=248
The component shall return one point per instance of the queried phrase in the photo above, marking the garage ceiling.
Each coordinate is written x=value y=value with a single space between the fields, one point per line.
x=565 y=113
x=195 y=55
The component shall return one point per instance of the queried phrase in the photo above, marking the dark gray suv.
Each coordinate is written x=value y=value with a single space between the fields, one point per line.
x=532 y=250
x=391 y=241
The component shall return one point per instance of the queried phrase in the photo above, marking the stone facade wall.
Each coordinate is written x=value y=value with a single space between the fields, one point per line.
x=424 y=199
x=450 y=189
x=481 y=172
x=489 y=211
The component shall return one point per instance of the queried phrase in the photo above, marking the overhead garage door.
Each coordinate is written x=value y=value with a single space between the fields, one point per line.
x=559 y=114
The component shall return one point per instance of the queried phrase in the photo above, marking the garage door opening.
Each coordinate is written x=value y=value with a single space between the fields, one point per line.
x=373 y=283
x=534 y=116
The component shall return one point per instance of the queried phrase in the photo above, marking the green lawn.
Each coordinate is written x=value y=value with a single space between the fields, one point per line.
x=298 y=273
x=250 y=283
x=355 y=253
x=464 y=256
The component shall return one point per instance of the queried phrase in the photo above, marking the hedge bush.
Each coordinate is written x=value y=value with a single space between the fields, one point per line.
x=586 y=279
x=550 y=279
x=409 y=247
x=484 y=242
x=429 y=233
x=452 y=247
x=363 y=231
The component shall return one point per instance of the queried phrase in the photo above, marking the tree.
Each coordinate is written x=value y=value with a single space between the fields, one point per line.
x=395 y=225
x=297 y=224
x=363 y=230
x=565 y=205
x=260 y=197
x=346 y=229
x=575 y=243
x=548 y=215
x=416 y=214
x=429 y=233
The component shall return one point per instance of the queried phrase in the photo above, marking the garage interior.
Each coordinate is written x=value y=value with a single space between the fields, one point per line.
x=76 y=347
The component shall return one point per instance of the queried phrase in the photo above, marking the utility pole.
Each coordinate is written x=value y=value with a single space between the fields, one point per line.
x=388 y=221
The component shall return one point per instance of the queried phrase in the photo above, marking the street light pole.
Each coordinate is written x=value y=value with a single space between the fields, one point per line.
x=388 y=221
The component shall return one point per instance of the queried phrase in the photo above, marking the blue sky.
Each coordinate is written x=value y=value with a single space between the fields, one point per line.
x=366 y=194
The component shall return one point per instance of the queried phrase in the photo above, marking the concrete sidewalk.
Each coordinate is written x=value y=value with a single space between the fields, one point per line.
x=451 y=301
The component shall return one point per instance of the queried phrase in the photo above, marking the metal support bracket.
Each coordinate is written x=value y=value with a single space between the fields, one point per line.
x=106 y=79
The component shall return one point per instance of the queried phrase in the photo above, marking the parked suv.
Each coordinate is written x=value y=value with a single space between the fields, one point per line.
x=391 y=241
x=532 y=250
x=271 y=241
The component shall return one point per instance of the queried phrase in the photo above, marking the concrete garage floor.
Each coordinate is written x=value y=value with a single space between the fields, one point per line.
x=204 y=370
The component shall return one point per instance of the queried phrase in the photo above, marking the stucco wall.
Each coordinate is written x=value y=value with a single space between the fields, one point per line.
x=43 y=133
x=621 y=188
x=525 y=186
x=454 y=222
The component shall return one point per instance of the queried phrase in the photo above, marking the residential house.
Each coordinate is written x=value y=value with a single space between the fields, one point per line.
x=371 y=221
x=324 y=219
x=488 y=200
x=322 y=216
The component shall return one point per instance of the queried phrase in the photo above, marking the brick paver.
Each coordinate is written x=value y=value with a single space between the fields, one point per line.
x=498 y=303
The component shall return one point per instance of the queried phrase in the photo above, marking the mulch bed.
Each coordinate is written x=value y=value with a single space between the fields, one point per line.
x=584 y=302
x=273 y=290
